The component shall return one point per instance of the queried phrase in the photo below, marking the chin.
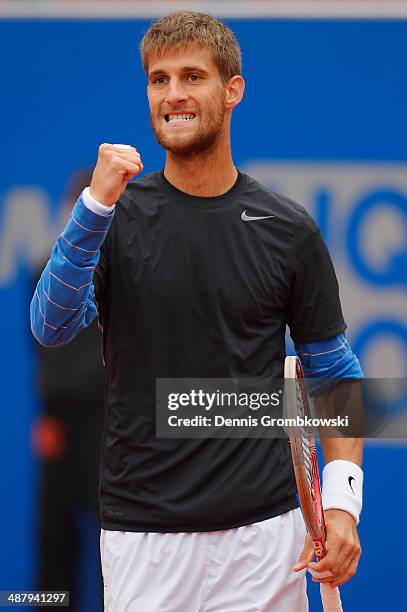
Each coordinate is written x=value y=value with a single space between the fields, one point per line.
x=179 y=146
x=184 y=147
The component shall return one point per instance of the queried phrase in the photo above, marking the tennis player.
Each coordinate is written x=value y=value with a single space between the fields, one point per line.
x=195 y=271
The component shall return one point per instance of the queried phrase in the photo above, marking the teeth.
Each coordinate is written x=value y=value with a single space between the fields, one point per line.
x=185 y=117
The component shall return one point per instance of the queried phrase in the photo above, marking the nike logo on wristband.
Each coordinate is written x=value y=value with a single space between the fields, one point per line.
x=350 y=483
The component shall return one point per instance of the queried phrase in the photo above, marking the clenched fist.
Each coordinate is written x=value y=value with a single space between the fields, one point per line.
x=116 y=165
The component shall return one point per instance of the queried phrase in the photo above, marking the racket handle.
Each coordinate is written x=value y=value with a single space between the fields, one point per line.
x=331 y=599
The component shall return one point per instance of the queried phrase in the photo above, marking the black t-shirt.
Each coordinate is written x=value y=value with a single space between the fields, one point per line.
x=186 y=288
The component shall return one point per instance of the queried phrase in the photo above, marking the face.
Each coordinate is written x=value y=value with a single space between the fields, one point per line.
x=187 y=101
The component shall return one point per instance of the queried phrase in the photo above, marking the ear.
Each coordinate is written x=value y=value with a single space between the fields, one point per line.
x=234 y=91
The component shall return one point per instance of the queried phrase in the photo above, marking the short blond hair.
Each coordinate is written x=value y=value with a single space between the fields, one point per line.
x=182 y=28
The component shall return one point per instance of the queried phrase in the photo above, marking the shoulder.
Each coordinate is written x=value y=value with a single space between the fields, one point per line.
x=139 y=189
x=288 y=211
x=138 y=201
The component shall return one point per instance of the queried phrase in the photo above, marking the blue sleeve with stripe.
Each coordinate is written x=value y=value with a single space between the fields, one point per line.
x=328 y=362
x=64 y=299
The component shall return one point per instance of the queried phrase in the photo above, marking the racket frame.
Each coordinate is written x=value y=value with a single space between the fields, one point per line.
x=310 y=497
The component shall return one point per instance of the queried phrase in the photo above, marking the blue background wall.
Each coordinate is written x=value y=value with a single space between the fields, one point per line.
x=317 y=92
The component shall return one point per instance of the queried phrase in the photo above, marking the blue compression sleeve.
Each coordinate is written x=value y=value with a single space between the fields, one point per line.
x=329 y=359
x=63 y=302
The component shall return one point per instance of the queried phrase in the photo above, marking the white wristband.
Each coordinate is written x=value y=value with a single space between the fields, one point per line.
x=342 y=483
x=97 y=207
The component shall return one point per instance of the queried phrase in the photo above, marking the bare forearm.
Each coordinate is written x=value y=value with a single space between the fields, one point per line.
x=346 y=400
x=349 y=449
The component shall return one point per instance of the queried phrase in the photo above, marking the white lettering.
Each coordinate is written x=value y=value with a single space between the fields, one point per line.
x=27 y=230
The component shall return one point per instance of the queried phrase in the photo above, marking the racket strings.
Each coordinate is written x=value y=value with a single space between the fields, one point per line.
x=302 y=411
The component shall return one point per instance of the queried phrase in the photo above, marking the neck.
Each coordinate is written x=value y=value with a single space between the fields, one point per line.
x=205 y=174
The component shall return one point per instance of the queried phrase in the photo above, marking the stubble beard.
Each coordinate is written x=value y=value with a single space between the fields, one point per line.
x=204 y=137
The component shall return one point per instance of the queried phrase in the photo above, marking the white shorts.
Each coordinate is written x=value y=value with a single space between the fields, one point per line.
x=247 y=569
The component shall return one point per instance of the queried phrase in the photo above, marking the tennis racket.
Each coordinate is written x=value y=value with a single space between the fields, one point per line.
x=304 y=457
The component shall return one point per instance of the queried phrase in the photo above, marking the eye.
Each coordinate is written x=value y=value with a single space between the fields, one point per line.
x=159 y=80
x=194 y=77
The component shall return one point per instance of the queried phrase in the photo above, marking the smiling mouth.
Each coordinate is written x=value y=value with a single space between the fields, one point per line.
x=179 y=118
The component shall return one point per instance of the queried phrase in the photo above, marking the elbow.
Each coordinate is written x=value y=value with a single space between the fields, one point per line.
x=42 y=334
x=50 y=339
x=47 y=335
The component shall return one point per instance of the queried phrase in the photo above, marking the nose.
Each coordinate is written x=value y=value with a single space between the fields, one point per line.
x=175 y=93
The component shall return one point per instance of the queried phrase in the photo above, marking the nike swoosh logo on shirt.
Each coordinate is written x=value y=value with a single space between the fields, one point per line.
x=245 y=217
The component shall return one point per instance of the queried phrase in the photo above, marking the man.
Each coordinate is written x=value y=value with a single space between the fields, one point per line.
x=195 y=272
